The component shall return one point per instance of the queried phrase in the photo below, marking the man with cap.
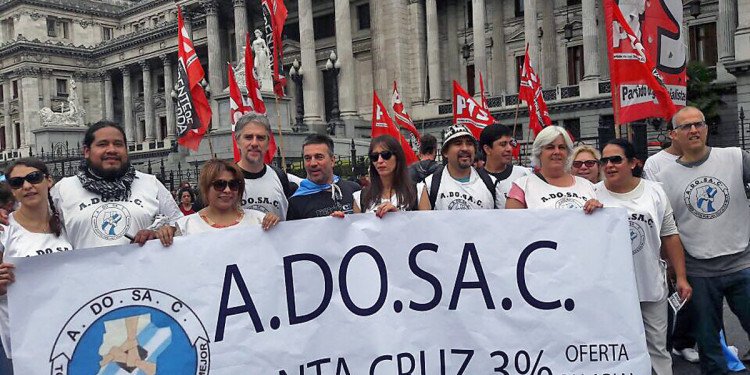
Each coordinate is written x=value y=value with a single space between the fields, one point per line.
x=458 y=186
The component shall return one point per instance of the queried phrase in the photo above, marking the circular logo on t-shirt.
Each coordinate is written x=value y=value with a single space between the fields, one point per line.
x=707 y=197
x=257 y=207
x=459 y=204
x=637 y=237
x=111 y=221
x=568 y=203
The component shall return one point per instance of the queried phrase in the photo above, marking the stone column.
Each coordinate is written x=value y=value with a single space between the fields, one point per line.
x=215 y=65
x=311 y=77
x=109 y=103
x=417 y=54
x=46 y=88
x=168 y=84
x=433 y=50
x=344 y=50
x=603 y=53
x=7 y=120
x=590 y=40
x=127 y=105
x=480 y=43
x=530 y=28
x=726 y=27
x=187 y=21
x=498 y=49
x=548 y=64
x=80 y=79
x=454 y=47
x=148 y=101
x=240 y=27
x=30 y=98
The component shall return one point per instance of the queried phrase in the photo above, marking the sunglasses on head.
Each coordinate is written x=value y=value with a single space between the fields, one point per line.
x=588 y=163
x=617 y=159
x=386 y=155
x=33 y=178
x=220 y=185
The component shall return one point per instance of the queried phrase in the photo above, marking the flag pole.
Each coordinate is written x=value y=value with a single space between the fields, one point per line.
x=515 y=121
x=210 y=144
x=281 y=134
x=616 y=108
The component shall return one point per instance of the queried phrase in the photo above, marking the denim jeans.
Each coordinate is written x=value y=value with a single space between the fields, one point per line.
x=708 y=298
x=6 y=367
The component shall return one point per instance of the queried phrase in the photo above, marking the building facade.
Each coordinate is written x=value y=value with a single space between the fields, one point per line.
x=121 y=54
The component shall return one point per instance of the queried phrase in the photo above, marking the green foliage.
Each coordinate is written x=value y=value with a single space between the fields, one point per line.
x=702 y=92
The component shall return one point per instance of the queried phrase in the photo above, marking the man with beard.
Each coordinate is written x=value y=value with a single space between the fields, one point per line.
x=108 y=202
x=266 y=187
x=458 y=186
x=497 y=142
x=321 y=193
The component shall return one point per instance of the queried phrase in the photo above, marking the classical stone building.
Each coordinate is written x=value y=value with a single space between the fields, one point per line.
x=122 y=56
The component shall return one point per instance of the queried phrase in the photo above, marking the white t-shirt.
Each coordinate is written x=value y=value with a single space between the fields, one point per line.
x=90 y=222
x=650 y=217
x=656 y=163
x=373 y=207
x=539 y=194
x=504 y=185
x=456 y=195
x=16 y=241
x=193 y=224
x=264 y=192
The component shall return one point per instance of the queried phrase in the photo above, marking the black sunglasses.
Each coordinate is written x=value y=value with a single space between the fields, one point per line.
x=617 y=159
x=33 y=178
x=220 y=185
x=386 y=155
x=588 y=163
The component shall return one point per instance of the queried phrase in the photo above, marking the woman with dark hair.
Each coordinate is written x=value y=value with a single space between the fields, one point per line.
x=652 y=228
x=222 y=185
x=186 y=200
x=390 y=187
x=33 y=229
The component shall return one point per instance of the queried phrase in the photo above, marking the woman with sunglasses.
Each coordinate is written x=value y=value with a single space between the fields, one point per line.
x=652 y=229
x=586 y=163
x=33 y=229
x=222 y=185
x=390 y=187
x=552 y=186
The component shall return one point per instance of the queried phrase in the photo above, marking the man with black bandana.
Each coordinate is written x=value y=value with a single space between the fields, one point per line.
x=267 y=189
x=108 y=202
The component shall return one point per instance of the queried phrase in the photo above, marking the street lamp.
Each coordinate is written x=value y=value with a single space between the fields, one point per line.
x=695 y=8
x=568 y=29
x=333 y=67
x=296 y=74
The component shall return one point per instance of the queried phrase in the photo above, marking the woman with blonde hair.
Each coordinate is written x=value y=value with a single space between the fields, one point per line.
x=586 y=163
x=552 y=186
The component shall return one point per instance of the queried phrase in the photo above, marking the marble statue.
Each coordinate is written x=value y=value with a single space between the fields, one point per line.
x=72 y=116
x=262 y=57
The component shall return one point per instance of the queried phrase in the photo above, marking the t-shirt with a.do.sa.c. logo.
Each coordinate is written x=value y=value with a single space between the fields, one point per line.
x=536 y=193
x=92 y=221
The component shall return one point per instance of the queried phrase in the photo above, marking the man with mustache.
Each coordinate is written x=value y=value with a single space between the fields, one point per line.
x=266 y=187
x=108 y=202
x=322 y=192
x=706 y=187
x=497 y=142
x=458 y=186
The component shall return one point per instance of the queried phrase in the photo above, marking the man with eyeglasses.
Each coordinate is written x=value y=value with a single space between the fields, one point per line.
x=321 y=193
x=458 y=186
x=706 y=189
x=497 y=142
x=267 y=188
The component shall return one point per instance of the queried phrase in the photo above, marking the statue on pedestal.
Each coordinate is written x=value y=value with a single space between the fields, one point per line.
x=262 y=62
x=72 y=116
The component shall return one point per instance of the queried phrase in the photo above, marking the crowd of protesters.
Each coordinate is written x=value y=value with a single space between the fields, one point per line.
x=689 y=211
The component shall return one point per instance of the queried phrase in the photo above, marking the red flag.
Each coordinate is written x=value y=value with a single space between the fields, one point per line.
x=383 y=125
x=403 y=120
x=238 y=107
x=468 y=112
x=531 y=92
x=193 y=113
x=637 y=86
x=274 y=16
x=255 y=97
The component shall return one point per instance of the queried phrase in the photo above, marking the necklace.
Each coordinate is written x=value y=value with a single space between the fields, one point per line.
x=30 y=225
x=211 y=222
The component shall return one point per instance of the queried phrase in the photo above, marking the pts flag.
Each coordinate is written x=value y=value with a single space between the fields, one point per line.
x=382 y=124
x=467 y=112
x=193 y=112
x=274 y=17
x=647 y=57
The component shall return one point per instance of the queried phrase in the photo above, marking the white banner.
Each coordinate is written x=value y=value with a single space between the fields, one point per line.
x=463 y=292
